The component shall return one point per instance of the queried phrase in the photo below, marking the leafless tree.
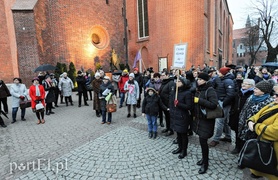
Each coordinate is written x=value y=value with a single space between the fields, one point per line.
x=267 y=12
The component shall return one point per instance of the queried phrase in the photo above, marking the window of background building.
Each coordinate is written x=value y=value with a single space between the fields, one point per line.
x=143 y=26
x=240 y=46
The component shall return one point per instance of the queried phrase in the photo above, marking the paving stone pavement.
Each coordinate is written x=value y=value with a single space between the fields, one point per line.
x=72 y=144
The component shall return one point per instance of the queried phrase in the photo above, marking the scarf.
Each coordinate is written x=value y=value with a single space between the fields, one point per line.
x=246 y=90
x=38 y=93
x=259 y=98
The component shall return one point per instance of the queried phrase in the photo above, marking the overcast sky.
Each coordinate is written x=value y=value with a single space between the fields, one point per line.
x=239 y=10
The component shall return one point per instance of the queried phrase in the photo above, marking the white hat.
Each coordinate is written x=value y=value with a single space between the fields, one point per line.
x=106 y=77
x=131 y=75
x=97 y=74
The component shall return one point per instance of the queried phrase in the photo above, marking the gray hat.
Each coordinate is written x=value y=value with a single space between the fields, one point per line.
x=265 y=86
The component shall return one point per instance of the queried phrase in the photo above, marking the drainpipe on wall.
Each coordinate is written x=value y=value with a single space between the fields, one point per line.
x=125 y=31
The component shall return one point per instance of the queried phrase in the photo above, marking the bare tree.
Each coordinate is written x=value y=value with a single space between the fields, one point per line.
x=252 y=40
x=267 y=12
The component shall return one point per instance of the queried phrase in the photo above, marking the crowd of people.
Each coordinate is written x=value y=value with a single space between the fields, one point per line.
x=177 y=98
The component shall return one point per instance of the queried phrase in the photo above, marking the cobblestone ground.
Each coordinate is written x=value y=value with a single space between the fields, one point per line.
x=72 y=144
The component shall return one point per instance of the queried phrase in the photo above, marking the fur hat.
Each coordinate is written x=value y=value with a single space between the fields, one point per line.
x=150 y=88
x=224 y=70
x=204 y=76
x=131 y=75
x=264 y=86
x=79 y=72
x=97 y=74
x=185 y=82
x=106 y=77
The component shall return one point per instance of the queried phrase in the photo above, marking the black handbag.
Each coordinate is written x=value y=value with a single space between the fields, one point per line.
x=213 y=113
x=25 y=104
x=259 y=155
x=251 y=134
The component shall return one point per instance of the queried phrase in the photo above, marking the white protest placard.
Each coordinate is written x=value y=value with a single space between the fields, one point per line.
x=180 y=52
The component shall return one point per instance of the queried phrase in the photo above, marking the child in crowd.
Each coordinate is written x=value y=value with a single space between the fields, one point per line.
x=150 y=108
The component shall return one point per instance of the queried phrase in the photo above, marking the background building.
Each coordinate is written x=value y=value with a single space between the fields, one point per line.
x=246 y=41
x=156 y=26
x=37 y=32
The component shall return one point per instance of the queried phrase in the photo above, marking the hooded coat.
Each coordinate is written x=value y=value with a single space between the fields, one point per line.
x=151 y=104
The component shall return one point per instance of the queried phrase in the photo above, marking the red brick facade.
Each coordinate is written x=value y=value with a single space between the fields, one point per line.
x=61 y=31
x=85 y=32
x=8 y=59
x=206 y=27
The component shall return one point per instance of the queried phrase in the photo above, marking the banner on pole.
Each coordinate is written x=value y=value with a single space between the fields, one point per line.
x=180 y=53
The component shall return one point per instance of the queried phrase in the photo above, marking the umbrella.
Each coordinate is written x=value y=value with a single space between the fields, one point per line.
x=45 y=67
x=118 y=72
x=270 y=64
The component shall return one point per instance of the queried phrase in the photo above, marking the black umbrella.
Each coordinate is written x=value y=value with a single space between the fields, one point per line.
x=118 y=72
x=270 y=64
x=45 y=67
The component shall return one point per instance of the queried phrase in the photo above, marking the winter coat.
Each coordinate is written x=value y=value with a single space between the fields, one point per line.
x=151 y=105
x=96 y=87
x=4 y=91
x=138 y=77
x=66 y=86
x=226 y=90
x=18 y=90
x=49 y=92
x=237 y=106
x=103 y=87
x=180 y=115
x=32 y=94
x=249 y=109
x=270 y=133
x=81 y=84
x=165 y=89
x=201 y=125
x=122 y=82
x=133 y=92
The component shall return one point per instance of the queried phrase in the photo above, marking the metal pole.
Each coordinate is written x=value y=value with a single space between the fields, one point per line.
x=125 y=31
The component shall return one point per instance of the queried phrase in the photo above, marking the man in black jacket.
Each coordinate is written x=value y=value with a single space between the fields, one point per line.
x=226 y=93
x=81 y=83
x=164 y=92
x=139 y=79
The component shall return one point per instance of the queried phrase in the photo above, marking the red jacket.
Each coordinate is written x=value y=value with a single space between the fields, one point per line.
x=32 y=94
x=122 y=81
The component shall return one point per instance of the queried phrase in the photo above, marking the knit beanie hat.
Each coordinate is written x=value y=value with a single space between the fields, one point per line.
x=204 y=76
x=264 y=86
x=131 y=75
x=224 y=70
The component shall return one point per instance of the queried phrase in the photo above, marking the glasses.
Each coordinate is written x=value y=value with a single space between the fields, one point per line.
x=245 y=84
x=276 y=95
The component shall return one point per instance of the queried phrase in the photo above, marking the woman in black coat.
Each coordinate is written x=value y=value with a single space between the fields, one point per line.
x=180 y=114
x=205 y=97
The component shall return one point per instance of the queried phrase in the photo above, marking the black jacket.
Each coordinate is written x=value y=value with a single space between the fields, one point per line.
x=180 y=115
x=81 y=83
x=226 y=90
x=103 y=87
x=151 y=105
x=166 y=87
x=202 y=126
